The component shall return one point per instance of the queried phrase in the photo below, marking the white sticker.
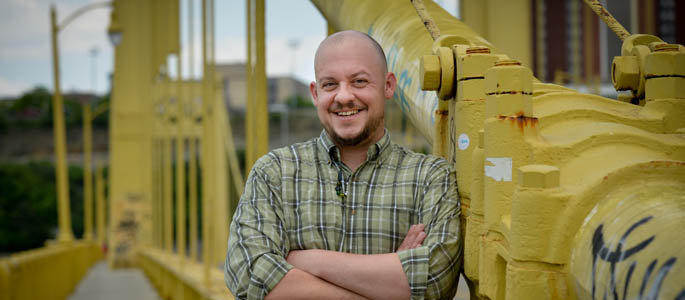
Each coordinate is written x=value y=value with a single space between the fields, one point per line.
x=500 y=170
x=463 y=141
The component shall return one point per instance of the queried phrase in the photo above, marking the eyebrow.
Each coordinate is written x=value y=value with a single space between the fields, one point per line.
x=360 y=73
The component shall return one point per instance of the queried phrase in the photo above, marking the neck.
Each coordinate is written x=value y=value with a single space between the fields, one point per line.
x=353 y=156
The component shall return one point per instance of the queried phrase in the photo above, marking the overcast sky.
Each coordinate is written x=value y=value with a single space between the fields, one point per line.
x=294 y=30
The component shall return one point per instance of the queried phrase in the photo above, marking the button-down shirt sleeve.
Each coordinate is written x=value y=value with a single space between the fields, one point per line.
x=257 y=244
x=432 y=269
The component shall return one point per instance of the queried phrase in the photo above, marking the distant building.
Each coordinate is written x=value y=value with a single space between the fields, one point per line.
x=280 y=88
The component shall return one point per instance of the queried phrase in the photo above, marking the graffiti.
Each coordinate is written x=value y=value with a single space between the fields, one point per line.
x=404 y=82
x=602 y=251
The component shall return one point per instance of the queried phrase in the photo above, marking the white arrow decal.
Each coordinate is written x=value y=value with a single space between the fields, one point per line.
x=500 y=170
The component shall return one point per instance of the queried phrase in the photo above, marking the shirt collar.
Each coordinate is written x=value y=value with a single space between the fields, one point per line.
x=375 y=152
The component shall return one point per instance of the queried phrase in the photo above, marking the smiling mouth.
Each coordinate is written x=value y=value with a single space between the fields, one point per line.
x=347 y=113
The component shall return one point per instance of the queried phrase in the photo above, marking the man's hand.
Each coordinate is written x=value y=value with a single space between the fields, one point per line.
x=414 y=237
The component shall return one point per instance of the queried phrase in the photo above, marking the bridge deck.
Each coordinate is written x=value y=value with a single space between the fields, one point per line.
x=103 y=283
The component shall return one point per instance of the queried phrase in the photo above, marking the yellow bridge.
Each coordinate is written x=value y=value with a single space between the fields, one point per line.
x=564 y=195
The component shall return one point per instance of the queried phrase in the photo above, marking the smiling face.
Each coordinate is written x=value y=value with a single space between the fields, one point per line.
x=351 y=88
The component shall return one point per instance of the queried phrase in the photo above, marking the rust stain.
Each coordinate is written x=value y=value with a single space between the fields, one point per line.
x=442 y=112
x=521 y=121
x=606 y=177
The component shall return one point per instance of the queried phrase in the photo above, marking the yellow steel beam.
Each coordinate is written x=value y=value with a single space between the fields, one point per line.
x=192 y=141
x=65 y=233
x=167 y=145
x=505 y=23
x=155 y=193
x=192 y=196
x=257 y=141
x=180 y=164
x=250 y=89
x=208 y=165
x=261 y=108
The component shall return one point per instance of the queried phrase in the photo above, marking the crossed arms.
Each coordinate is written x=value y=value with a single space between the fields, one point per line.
x=321 y=274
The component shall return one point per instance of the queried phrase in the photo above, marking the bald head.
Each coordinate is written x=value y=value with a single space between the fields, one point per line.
x=350 y=36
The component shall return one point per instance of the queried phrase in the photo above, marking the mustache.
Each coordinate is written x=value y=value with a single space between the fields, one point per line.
x=351 y=106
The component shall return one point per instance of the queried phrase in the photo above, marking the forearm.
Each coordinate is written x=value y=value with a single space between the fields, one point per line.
x=378 y=276
x=298 y=284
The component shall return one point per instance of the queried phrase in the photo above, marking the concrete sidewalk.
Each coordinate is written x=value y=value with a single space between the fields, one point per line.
x=105 y=284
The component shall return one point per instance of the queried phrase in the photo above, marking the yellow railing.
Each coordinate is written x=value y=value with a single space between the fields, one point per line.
x=50 y=272
x=175 y=277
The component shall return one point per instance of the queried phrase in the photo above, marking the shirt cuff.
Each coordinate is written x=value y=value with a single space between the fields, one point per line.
x=271 y=269
x=415 y=265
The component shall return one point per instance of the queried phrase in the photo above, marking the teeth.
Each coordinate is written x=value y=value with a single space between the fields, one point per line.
x=347 y=113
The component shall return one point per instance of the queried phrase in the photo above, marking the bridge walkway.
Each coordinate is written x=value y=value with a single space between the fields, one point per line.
x=103 y=283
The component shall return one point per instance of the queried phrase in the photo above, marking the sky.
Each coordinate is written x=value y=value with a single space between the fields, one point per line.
x=294 y=29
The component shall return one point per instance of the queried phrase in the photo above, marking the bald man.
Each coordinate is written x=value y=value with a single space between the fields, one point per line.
x=349 y=214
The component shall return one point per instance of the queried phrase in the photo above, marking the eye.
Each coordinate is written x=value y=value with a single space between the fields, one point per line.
x=360 y=82
x=328 y=85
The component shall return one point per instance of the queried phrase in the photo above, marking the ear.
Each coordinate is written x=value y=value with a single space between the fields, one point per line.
x=390 y=85
x=312 y=90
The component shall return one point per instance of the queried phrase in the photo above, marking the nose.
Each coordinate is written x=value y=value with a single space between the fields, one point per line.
x=344 y=95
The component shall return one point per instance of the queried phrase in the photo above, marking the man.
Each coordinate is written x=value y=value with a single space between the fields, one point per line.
x=332 y=217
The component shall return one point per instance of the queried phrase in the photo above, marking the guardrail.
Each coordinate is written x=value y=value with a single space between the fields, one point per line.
x=181 y=278
x=50 y=272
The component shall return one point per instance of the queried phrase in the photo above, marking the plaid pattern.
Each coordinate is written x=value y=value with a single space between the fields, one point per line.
x=290 y=203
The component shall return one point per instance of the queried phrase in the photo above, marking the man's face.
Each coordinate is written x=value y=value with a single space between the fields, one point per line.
x=350 y=91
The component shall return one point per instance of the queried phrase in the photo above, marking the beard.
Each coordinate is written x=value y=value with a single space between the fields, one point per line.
x=368 y=130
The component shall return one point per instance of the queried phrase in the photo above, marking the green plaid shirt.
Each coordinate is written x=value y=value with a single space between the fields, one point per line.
x=290 y=203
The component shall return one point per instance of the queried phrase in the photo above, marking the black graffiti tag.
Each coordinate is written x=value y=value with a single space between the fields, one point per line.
x=602 y=251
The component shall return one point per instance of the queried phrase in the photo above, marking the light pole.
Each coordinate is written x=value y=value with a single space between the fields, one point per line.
x=64 y=219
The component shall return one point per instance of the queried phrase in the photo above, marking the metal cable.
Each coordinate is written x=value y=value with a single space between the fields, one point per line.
x=426 y=18
x=603 y=14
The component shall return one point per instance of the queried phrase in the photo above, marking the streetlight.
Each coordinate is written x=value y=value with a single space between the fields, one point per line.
x=64 y=220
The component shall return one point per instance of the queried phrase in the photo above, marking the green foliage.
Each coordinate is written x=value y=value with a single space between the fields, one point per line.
x=28 y=204
x=33 y=109
x=299 y=102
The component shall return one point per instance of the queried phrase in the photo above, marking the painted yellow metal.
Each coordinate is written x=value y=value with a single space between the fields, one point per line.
x=257 y=140
x=136 y=65
x=177 y=279
x=250 y=87
x=65 y=233
x=505 y=23
x=31 y=274
x=87 y=172
x=167 y=171
x=192 y=196
x=181 y=120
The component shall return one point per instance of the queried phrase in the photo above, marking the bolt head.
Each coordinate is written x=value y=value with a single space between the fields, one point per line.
x=430 y=73
x=508 y=78
x=538 y=176
x=625 y=73
x=665 y=63
x=665 y=88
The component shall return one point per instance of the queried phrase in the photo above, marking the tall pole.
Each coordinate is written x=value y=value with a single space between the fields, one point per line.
x=192 y=141
x=261 y=107
x=250 y=86
x=87 y=172
x=63 y=216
